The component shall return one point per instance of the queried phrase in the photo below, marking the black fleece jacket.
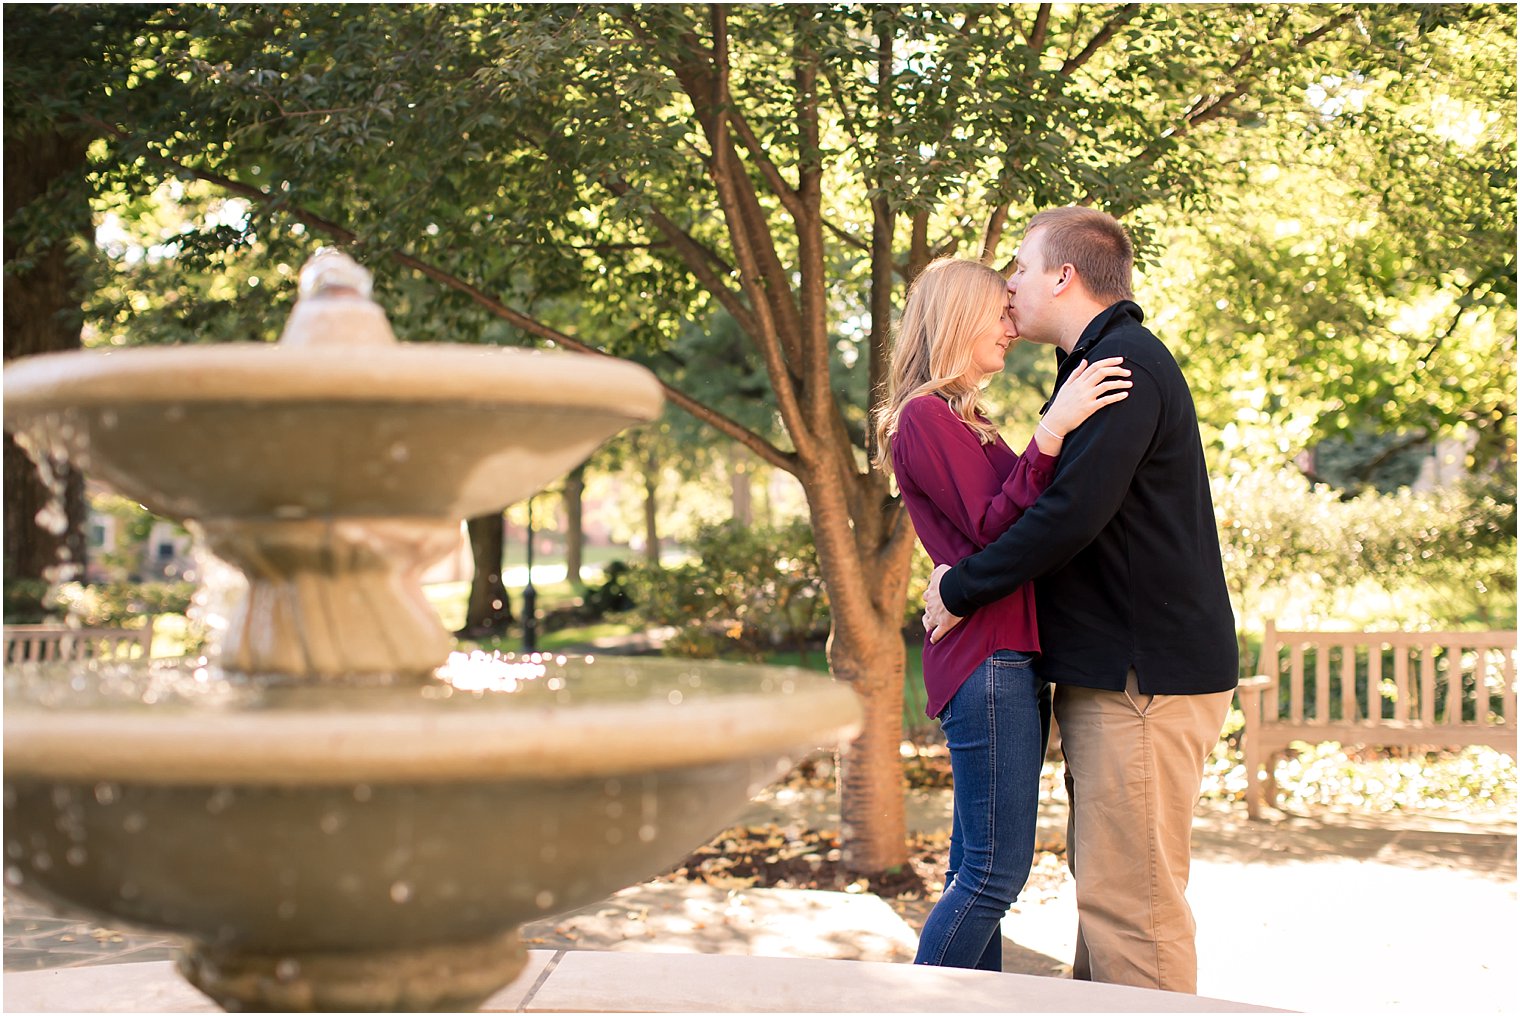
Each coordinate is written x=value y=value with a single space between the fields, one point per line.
x=1122 y=545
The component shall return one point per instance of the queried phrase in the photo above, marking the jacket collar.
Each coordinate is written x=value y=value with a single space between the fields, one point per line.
x=1113 y=316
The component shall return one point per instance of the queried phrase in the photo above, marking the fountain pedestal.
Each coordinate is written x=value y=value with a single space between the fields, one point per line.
x=333 y=597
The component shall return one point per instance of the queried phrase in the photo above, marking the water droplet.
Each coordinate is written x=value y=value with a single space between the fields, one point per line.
x=647 y=833
x=135 y=822
x=13 y=875
x=219 y=801
x=401 y=892
x=76 y=856
x=362 y=792
x=614 y=809
x=544 y=900
x=332 y=822
x=287 y=970
x=400 y=452
x=42 y=862
x=675 y=697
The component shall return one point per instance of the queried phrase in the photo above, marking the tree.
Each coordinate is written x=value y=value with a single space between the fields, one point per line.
x=1361 y=281
x=790 y=165
x=44 y=166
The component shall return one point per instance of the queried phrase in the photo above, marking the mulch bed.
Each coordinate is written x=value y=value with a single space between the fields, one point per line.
x=771 y=857
x=794 y=857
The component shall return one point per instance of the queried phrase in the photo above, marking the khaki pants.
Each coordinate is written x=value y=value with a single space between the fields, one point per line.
x=1134 y=766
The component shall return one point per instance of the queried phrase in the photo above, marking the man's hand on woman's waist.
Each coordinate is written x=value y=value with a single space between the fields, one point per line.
x=937 y=620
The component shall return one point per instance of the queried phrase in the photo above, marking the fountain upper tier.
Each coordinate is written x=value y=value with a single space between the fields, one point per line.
x=337 y=418
x=330 y=468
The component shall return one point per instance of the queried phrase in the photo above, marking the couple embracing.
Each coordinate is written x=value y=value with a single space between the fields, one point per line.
x=1082 y=576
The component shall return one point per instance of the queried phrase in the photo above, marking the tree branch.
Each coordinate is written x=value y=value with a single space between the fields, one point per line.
x=850 y=239
x=883 y=228
x=698 y=257
x=1121 y=17
x=1198 y=113
x=1038 y=33
x=531 y=326
x=707 y=88
x=783 y=190
x=812 y=293
x=993 y=234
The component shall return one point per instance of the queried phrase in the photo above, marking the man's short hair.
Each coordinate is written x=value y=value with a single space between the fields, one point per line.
x=1094 y=243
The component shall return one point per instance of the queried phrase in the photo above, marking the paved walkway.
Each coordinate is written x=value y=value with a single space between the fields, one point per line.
x=1329 y=913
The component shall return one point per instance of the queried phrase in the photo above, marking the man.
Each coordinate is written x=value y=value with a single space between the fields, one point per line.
x=1135 y=625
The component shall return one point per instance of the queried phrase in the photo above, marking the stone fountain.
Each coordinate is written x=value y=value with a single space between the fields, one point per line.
x=334 y=813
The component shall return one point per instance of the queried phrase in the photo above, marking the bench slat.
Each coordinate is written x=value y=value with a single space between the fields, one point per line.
x=1322 y=687
x=1401 y=683
x=1373 y=698
x=1454 y=685
x=1508 y=689
x=1296 y=683
x=1427 y=685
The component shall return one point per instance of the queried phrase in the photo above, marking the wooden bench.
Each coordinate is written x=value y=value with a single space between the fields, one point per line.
x=1415 y=689
x=42 y=643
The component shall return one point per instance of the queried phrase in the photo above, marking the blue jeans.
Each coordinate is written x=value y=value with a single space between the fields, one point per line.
x=996 y=726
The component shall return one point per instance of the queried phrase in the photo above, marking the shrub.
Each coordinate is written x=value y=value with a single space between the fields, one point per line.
x=1279 y=534
x=748 y=589
x=26 y=601
x=120 y=604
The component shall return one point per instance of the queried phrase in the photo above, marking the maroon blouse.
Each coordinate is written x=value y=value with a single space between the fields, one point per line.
x=961 y=495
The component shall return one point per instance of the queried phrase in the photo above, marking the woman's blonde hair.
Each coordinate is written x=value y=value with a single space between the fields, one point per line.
x=952 y=301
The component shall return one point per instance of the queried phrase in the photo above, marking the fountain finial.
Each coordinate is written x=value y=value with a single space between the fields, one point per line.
x=330 y=272
x=334 y=308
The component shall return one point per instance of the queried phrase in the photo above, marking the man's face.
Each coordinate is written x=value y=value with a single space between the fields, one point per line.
x=1030 y=291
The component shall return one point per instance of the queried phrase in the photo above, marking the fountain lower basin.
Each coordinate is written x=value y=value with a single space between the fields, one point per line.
x=376 y=848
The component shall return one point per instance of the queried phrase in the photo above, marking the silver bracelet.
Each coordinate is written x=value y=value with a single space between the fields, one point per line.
x=1041 y=426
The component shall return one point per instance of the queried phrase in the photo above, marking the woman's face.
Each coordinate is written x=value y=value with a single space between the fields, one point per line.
x=991 y=345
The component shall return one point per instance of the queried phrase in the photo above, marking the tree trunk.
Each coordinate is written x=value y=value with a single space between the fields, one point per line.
x=872 y=792
x=865 y=560
x=490 y=609
x=739 y=477
x=651 y=509
x=575 y=537
x=44 y=509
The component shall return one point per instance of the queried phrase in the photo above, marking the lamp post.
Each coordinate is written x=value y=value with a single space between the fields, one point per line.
x=529 y=596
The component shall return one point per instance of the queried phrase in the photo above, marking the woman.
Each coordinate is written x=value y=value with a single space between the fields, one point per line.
x=963 y=487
